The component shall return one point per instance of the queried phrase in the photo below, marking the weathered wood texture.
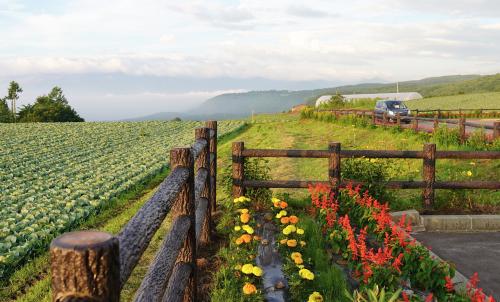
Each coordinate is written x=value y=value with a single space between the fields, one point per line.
x=429 y=174
x=202 y=166
x=179 y=280
x=201 y=214
x=334 y=167
x=136 y=235
x=238 y=168
x=155 y=282
x=496 y=130
x=185 y=205
x=198 y=147
x=85 y=267
x=212 y=125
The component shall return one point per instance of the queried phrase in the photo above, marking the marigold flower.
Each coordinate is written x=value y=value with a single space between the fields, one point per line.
x=283 y=241
x=243 y=211
x=283 y=204
x=245 y=218
x=257 y=271
x=296 y=255
x=247 y=268
x=239 y=241
x=281 y=214
x=237 y=228
x=291 y=243
x=469 y=173
x=294 y=219
x=246 y=238
x=300 y=231
x=315 y=297
x=274 y=200
x=285 y=220
x=306 y=274
x=302 y=243
x=298 y=260
x=248 y=229
x=249 y=289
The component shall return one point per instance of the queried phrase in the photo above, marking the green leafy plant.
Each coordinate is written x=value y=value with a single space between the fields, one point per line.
x=373 y=295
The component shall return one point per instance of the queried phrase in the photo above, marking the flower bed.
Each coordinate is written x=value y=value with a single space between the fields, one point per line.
x=379 y=253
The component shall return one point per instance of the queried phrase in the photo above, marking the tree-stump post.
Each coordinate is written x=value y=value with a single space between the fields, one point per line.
x=334 y=167
x=185 y=205
x=429 y=174
x=238 y=169
x=374 y=118
x=398 y=119
x=462 y=129
x=496 y=130
x=415 y=122
x=202 y=163
x=384 y=118
x=85 y=266
x=212 y=125
x=436 y=122
x=439 y=113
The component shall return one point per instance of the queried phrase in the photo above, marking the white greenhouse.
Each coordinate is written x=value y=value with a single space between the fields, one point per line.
x=401 y=96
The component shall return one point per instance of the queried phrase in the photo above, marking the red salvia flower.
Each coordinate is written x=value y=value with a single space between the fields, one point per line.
x=449 y=284
x=429 y=298
x=405 y=297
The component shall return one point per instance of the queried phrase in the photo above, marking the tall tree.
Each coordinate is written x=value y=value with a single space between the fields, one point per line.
x=13 y=95
x=5 y=115
x=53 y=107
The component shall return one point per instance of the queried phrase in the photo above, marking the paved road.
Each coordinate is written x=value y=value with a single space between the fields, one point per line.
x=470 y=252
x=429 y=126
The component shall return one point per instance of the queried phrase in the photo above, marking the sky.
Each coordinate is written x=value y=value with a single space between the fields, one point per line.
x=121 y=58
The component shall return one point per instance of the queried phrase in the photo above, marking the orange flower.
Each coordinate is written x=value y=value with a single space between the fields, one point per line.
x=294 y=219
x=249 y=289
x=283 y=204
x=284 y=220
x=291 y=243
x=283 y=241
x=239 y=241
x=245 y=218
x=257 y=238
x=298 y=260
x=246 y=238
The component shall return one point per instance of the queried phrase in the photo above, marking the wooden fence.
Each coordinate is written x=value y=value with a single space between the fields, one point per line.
x=94 y=266
x=334 y=154
x=386 y=120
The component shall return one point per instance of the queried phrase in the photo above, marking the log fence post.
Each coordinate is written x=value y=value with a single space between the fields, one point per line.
x=238 y=169
x=212 y=125
x=334 y=167
x=185 y=205
x=429 y=174
x=496 y=130
x=374 y=118
x=202 y=162
x=85 y=266
x=398 y=119
x=461 y=129
x=384 y=118
x=415 y=122
x=436 y=122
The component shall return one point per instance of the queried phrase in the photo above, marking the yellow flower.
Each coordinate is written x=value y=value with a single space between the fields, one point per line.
x=245 y=218
x=469 y=173
x=244 y=211
x=257 y=271
x=300 y=231
x=286 y=231
x=248 y=229
x=247 y=269
x=281 y=214
x=300 y=266
x=295 y=255
x=306 y=274
x=298 y=260
x=315 y=297
x=237 y=267
x=249 y=289
x=274 y=200
x=237 y=228
x=302 y=243
x=283 y=241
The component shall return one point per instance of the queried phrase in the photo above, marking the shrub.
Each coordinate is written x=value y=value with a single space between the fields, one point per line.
x=446 y=136
x=255 y=169
x=373 y=172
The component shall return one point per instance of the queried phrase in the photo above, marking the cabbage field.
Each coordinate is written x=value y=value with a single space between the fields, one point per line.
x=53 y=176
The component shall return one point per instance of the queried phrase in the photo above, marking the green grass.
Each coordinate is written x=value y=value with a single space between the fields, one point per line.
x=488 y=100
x=312 y=134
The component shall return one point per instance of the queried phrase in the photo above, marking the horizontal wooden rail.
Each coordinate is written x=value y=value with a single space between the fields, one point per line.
x=302 y=184
x=155 y=281
x=178 y=281
x=428 y=155
x=137 y=233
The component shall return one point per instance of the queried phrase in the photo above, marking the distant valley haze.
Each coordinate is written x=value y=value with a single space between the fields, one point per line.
x=124 y=59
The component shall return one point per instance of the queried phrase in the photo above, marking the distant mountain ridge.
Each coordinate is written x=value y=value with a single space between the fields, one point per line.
x=236 y=105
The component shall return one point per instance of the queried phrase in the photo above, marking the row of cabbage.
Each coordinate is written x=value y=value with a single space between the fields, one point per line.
x=53 y=176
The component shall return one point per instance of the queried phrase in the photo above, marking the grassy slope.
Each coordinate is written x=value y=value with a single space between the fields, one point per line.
x=489 y=100
x=292 y=133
